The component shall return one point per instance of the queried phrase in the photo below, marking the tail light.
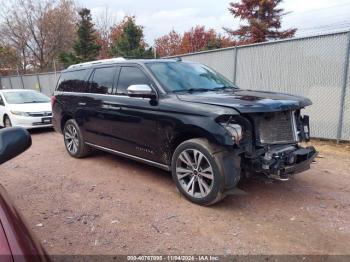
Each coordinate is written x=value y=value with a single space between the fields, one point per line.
x=53 y=100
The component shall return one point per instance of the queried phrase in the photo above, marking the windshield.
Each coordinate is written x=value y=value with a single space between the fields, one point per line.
x=183 y=76
x=25 y=97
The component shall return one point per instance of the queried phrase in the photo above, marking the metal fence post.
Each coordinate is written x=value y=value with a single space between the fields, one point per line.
x=54 y=66
x=343 y=91
x=10 y=82
x=38 y=78
x=22 y=81
x=235 y=65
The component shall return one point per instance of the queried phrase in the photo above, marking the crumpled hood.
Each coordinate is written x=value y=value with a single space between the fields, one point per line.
x=248 y=101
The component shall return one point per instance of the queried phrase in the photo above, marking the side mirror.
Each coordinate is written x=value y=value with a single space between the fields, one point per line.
x=13 y=141
x=144 y=91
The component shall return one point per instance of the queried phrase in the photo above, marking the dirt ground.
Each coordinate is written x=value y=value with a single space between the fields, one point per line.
x=105 y=204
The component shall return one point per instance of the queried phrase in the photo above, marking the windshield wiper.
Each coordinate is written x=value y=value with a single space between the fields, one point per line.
x=198 y=90
x=33 y=102
x=191 y=90
x=226 y=87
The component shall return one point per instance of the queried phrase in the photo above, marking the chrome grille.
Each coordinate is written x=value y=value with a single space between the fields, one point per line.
x=40 y=114
x=277 y=128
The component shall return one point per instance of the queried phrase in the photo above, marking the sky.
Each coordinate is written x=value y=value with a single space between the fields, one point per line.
x=161 y=16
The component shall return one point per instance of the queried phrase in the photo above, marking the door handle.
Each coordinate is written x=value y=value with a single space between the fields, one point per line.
x=82 y=104
x=109 y=106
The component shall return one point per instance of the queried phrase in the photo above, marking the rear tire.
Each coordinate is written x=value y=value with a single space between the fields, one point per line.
x=196 y=172
x=74 y=140
x=7 y=121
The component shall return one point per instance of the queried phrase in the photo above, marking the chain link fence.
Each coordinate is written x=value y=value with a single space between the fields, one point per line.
x=44 y=82
x=316 y=67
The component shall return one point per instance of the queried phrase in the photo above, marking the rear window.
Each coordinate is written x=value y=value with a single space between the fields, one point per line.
x=74 y=81
x=103 y=80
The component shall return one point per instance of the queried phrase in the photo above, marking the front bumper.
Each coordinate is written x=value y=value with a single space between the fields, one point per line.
x=304 y=165
x=282 y=162
x=31 y=122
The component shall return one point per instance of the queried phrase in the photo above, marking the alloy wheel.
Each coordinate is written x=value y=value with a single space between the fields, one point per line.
x=194 y=173
x=71 y=139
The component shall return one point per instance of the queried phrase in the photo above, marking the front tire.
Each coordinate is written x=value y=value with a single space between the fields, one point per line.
x=196 y=172
x=74 y=140
x=7 y=122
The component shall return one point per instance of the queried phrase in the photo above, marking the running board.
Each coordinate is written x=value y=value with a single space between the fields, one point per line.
x=139 y=159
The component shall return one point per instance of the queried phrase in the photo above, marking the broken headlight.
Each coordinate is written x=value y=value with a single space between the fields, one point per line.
x=235 y=131
x=306 y=128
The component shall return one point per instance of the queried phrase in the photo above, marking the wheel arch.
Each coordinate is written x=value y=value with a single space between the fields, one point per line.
x=3 y=118
x=191 y=132
x=64 y=119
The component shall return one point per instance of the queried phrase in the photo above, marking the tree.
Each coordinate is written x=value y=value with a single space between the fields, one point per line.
x=128 y=40
x=219 y=41
x=8 y=59
x=169 y=44
x=263 y=19
x=196 y=39
x=37 y=30
x=85 y=47
x=104 y=25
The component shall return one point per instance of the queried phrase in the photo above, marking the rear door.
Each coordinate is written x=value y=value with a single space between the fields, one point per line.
x=98 y=115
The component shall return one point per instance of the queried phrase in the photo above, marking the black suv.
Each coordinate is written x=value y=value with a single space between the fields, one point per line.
x=182 y=117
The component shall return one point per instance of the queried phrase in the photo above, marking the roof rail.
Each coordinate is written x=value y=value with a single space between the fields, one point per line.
x=104 y=61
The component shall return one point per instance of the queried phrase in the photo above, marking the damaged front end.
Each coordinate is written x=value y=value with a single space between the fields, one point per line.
x=270 y=144
x=280 y=162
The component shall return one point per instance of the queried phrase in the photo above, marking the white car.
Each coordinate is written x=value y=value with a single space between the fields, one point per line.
x=25 y=108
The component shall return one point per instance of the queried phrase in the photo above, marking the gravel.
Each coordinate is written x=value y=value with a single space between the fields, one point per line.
x=105 y=204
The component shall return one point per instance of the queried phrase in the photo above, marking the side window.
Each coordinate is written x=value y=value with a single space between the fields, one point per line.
x=102 y=80
x=1 y=101
x=74 y=81
x=130 y=76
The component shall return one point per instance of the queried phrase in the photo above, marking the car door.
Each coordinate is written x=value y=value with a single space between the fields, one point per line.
x=134 y=125
x=98 y=116
x=2 y=110
x=71 y=89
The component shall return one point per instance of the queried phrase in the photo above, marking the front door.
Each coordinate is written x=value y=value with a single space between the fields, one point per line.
x=134 y=126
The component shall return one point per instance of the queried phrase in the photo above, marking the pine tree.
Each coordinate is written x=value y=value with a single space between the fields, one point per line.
x=263 y=19
x=130 y=42
x=85 y=46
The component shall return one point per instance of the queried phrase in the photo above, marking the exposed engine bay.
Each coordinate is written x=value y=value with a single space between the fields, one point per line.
x=270 y=144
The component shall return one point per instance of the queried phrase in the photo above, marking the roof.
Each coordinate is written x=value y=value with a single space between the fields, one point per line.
x=117 y=60
x=97 y=62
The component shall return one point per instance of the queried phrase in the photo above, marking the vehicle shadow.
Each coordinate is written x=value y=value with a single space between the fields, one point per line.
x=133 y=165
x=259 y=193
x=38 y=131
x=256 y=191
